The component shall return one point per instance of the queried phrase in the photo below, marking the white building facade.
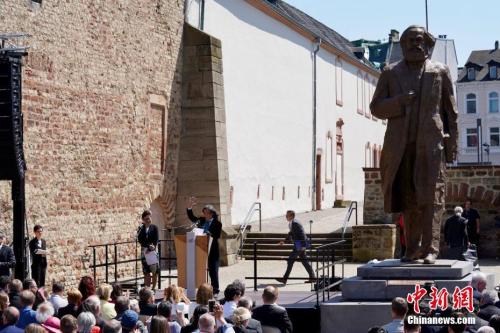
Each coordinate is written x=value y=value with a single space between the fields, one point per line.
x=270 y=97
x=478 y=91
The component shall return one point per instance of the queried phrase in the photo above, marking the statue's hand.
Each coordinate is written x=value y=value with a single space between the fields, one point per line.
x=408 y=98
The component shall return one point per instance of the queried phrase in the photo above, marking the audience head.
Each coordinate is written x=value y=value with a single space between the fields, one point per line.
x=146 y=295
x=495 y=322
x=246 y=302
x=129 y=320
x=240 y=285
x=199 y=311
x=4 y=282
x=44 y=312
x=458 y=211
x=173 y=294
x=232 y=293
x=399 y=308
x=164 y=309
x=159 y=324
x=411 y=328
x=204 y=293
x=41 y=296
x=206 y=323
x=457 y=328
x=92 y=305
x=85 y=321
x=270 y=295
x=58 y=288
x=112 y=326
x=122 y=304
x=27 y=298
x=241 y=316
x=35 y=328
x=117 y=291
x=30 y=284
x=134 y=305
x=86 y=287
x=486 y=329
x=52 y=325
x=10 y=316
x=104 y=292
x=15 y=286
x=478 y=281
x=69 y=324
x=488 y=297
x=74 y=296
x=4 y=300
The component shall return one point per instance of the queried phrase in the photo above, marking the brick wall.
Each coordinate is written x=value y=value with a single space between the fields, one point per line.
x=101 y=99
x=481 y=183
x=373 y=242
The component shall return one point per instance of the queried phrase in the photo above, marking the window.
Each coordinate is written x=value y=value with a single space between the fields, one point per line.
x=374 y=86
x=470 y=101
x=360 y=91
x=493 y=102
x=329 y=158
x=493 y=72
x=494 y=136
x=471 y=137
x=367 y=94
x=368 y=155
x=471 y=74
x=338 y=81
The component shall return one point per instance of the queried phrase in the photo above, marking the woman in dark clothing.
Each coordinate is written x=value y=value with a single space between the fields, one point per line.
x=86 y=287
x=38 y=247
x=147 y=304
x=74 y=302
x=193 y=326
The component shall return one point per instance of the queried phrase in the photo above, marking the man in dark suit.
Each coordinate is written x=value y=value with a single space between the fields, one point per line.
x=271 y=314
x=38 y=246
x=7 y=258
x=298 y=237
x=211 y=226
x=148 y=237
x=10 y=317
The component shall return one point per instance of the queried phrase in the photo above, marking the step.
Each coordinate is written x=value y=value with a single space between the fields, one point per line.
x=281 y=258
x=282 y=234
x=289 y=247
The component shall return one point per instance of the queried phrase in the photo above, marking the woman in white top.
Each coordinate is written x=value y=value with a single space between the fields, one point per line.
x=176 y=296
x=203 y=295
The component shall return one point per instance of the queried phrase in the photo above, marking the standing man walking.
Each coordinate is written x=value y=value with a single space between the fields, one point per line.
x=38 y=250
x=7 y=258
x=298 y=236
x=148 y=237
x=211 y=226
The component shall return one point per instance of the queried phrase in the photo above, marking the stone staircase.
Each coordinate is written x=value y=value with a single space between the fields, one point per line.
x=269 y=249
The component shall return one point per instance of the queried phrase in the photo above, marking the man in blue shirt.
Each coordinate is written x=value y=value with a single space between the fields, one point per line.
x=28 y=315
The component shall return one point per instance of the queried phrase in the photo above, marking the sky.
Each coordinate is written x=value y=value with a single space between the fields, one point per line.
x=472 y=24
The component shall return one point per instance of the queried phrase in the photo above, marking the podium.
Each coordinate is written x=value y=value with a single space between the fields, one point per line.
x=192 y=255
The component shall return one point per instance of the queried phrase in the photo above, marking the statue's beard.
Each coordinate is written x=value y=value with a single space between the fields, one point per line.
x=415 y=54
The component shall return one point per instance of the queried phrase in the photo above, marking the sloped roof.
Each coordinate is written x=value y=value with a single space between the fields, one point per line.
x=316 y=28
x=480 y=59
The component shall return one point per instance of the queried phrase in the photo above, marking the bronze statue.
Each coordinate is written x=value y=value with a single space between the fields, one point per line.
x=416 y=96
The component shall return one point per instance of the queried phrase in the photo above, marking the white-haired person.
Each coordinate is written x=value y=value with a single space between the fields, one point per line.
x=487 y=307
x=478 y=284
x=455 y=235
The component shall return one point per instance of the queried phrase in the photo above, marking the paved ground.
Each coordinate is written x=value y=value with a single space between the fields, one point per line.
x=327 y=220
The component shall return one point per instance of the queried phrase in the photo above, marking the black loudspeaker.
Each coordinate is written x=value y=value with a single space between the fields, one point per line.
x=12 y=163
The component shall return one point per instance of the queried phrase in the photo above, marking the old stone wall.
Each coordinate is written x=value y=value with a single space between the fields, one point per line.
x=481 y=183
x=101 y=100
x=376 y=241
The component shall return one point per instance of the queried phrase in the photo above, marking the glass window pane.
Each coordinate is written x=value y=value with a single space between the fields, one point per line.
x=471 y=106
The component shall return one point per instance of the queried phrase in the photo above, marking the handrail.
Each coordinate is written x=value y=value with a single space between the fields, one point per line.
x=352 y=207
x=328 y=261
x=246 y=222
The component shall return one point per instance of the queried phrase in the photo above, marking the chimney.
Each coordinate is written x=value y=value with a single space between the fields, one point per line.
x=394 y=36
x=496 y=45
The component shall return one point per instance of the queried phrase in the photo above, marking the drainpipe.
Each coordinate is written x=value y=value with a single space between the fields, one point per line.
x=202 y=14
x=317 y=44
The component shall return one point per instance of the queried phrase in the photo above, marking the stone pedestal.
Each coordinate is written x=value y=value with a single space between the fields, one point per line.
x=373 y=241
x=371 y=291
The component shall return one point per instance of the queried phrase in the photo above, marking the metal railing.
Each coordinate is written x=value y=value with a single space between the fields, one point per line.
x=325 y=258
x=353 y=207
x=112 y=250
x=325 y=254
x=256 y=206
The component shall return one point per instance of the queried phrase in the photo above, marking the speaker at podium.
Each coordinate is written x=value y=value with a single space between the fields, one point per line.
x=192 y=258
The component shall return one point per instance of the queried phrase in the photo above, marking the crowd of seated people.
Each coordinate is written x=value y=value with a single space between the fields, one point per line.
x=485 y=315
x=105 y=308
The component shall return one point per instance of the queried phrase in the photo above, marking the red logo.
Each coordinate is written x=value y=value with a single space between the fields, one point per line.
x=462 y=298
